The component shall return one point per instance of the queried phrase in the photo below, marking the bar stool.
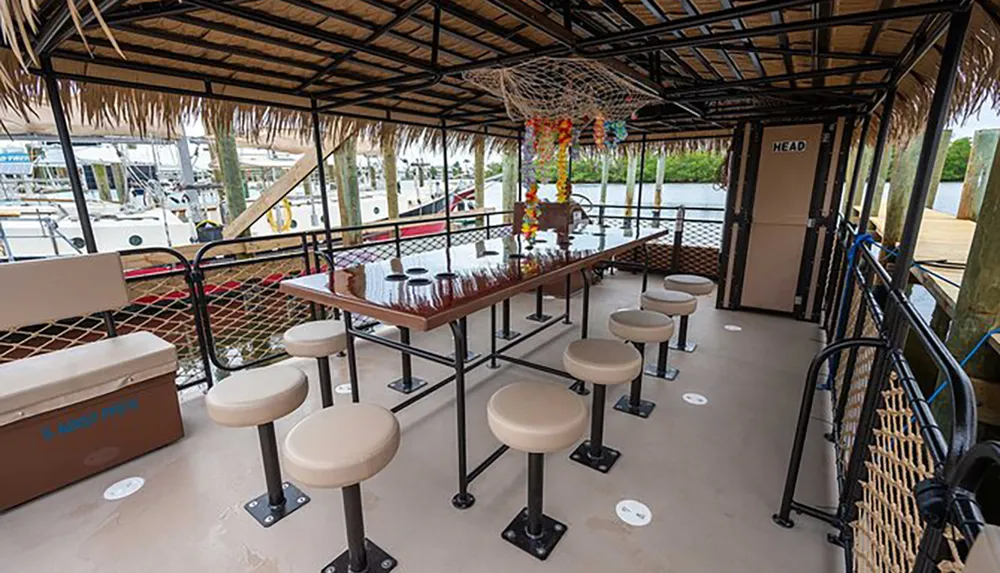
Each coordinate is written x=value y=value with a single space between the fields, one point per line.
x=340 y=448
x=691 y=284
x=319 y=339
x=640 y=327
x=601 y=362
x=258 y=398
x=671 y=303
x=537 y=418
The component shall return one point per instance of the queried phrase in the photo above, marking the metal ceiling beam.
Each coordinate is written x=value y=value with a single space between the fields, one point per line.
x=750 y=48
x=375 y=35
x=633 y=21
x=57 y=26
x=874 y=32
x=738 y=25
x=298 y=28
x=691 y=10
x=812 y=74
x=658 y=13
x=536 y=19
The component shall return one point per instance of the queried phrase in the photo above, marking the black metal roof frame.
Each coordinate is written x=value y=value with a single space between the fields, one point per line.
x=648 y=54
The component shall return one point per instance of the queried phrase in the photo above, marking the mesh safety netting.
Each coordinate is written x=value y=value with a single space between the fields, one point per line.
x=555 y=88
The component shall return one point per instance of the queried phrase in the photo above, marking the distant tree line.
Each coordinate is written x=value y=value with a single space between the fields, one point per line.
x=694 y=167
x=956 y=160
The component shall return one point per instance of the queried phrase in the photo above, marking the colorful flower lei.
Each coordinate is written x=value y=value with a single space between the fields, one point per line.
x=529 y=223
x=565 y=138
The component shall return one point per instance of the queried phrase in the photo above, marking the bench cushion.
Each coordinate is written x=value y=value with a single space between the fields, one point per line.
x=51 y=381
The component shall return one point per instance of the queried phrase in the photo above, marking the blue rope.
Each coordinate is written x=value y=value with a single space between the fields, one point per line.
x=964 y=361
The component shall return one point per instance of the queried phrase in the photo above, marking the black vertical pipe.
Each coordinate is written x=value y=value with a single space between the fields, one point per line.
x=520 y=192
x=661 y=358
x=463 y=499
x=536 y=477
x=538 y=302
x=354 y=520
x=585 y=314
x=272 y=467
x=407 y=365
x=597 y=421
x=638 y=207
x=75 y=184
x=645 y=264
x=325 y=382
x=569 y=289
x=635 y=392
x=493 y=338
x=505 y=318
x=858 y=159
x=321 y=172
x=682 y=334
x=447 y=192
x=877 y=158
x=352 y=359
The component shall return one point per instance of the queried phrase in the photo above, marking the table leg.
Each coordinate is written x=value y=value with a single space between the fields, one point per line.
x=463 y=499
x=580 y=387
x=568 y=292
x=505 y=331
x=493 y=339
x=408 y=382
x=352 y=359
x=645 y=266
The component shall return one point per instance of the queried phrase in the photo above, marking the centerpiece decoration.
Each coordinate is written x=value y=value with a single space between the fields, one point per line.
x=557 y=99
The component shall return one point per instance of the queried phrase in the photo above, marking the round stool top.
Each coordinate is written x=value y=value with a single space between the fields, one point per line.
x=537 y=417
x=692 y=284
x=602 y=361
x=316 y=339
x=256 y=397
x=669 y=302
x=341 y=446
x=641 y=325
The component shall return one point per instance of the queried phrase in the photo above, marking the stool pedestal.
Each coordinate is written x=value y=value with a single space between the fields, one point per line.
x=282 y=498
x=682 y=343
x=633 y=403
x=660 y=369
x=362 y=555
x=593 y=453
x=532 y=531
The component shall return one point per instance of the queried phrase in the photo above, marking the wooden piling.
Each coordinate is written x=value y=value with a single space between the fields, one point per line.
x=903 y=173
x=101 y=178
x=661 y=171
x=229 y=170
x=121 y=188
x=509 y=188
x=881 y=177
x=479 y=171
x=632 y=161
x=388 y=145
x=938 y=168
x=978 y=307
x=345 y=160
x=977 y=174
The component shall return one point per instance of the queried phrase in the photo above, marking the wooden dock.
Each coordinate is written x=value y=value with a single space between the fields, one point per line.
x=943 y=238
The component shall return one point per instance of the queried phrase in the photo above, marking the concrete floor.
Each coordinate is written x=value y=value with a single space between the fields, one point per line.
x=712 y=475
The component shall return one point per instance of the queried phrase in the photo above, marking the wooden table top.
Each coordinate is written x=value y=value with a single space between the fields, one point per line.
x=427 y=290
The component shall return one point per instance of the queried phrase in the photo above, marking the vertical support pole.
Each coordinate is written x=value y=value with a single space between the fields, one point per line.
x=635 y=392
x=520 y=189
x=569 y=290
x=675 y=251
x=508 y=186
x=272 y=467
x=321 y=173
x=72 y=171
x=539 y=314
x=505 y=332
x=463 y=499
x=604 y=188
x=978 y=174
x=447 y=191
x=645 y=266
x=638 y=207
x=661 y=171
x=325 y=382
x=856 y=173
x=596 y=450
x=354 y=521
x=536 y=477
x=352 y=359
x=580 y=387
x=493 y=339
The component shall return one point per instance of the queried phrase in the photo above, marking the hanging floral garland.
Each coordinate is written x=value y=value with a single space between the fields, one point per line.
x=599 y=135
x=616 y=133
x=529 y=223
x=565 y=137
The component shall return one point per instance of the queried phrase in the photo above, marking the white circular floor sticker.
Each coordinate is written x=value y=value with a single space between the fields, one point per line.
x=733 y=327
x=633 y=512
x=695 y=399
x=124 y=488
x=342 y=389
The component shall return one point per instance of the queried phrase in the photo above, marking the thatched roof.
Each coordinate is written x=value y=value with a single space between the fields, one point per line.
x=261 y=65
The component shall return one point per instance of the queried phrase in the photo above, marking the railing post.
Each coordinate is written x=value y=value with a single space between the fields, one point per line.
x=642 y=166
x=447 y=191
x=399 y=246
x=198 y=307
x=675 y=254
x=321 y=172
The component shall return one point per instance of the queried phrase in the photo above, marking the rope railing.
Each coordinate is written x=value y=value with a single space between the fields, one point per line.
x=906 y=485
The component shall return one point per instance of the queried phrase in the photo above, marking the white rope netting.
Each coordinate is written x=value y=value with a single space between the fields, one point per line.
x=556 y=88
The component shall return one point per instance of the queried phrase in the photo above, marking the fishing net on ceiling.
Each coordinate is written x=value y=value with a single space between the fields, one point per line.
x=559 y=88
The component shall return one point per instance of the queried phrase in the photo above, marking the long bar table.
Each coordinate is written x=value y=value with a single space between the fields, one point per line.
x=443 y=287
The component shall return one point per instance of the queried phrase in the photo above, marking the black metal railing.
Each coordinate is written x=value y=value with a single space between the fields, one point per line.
x=222 y=308
x=906 y=485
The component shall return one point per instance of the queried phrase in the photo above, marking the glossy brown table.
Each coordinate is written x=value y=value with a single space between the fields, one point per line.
x=424 y=291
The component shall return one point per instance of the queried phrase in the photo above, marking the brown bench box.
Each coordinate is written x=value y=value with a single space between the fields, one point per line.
x=51 y=450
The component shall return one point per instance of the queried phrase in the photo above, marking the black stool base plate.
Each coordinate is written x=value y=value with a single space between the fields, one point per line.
x=509 y=335
x=538 y=547
x=261 y=510
x=580 y=388
x=643 y=411
x=602 y=463
x=469 y=356
x=669 y=374
x=463 y=501
x=415 y=384
x=537 y=317
x=378 y=561
x=689 y=347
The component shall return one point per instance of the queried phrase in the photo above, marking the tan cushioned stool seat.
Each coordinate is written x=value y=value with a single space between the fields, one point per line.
x=316 y=339
x=641 y=325
x=692 y=284
x=669 y=302
x=536 y=417
x=602 y=361
x=256 y=397
x=342 y=445
x=47 y=382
